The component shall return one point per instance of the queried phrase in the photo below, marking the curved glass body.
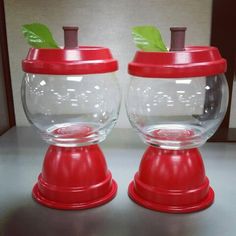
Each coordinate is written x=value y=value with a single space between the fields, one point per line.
x=177 y=113
x=73 y=110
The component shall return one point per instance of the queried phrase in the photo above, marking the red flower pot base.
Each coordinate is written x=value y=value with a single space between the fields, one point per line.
x=74 y=178
x=171 y=181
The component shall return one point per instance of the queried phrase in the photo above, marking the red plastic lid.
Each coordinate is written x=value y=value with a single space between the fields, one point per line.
x=76 y=61
x=195 y=61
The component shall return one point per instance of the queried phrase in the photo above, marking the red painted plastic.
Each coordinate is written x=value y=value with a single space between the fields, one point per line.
x=195 y=61
x=74 y=178
x=172 y=181
x=79 y=61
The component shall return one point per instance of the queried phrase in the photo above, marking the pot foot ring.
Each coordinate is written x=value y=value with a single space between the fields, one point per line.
x=206 y=202
x=74 y=206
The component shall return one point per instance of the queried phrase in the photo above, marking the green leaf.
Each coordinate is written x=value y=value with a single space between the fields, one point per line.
x=148 y=38
x=38 y=36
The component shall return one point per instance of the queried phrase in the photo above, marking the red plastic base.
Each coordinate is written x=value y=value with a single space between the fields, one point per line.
x=171 y=209
x=171 y=181
x=74 y=206
x=74 y=178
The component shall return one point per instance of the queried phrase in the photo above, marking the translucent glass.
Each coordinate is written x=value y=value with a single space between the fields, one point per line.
x=71 y=110
x=177 y=113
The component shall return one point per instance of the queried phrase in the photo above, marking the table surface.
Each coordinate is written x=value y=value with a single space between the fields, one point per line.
x=21 y=156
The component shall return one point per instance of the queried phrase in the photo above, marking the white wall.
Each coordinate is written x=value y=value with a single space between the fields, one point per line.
x=232 y=123
x=102 y=22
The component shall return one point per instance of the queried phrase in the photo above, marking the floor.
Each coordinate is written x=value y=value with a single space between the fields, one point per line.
x=21 y=156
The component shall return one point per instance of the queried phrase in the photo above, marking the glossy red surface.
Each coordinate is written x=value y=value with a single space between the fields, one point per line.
x=74 y=178
x=79 y=61
x=195 y=61
x=172 y=181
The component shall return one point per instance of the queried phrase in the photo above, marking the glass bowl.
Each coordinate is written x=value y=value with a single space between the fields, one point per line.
x=71 y=110
x=177 y=113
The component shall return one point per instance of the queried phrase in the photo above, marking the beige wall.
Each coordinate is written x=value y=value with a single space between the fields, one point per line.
x=232 y=122
x=105 y=23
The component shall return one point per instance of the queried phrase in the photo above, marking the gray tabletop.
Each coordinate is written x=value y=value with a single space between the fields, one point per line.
x=21 y=156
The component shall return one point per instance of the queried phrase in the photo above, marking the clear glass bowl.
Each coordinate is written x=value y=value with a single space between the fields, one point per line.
x=73 y=110
x=177 y=113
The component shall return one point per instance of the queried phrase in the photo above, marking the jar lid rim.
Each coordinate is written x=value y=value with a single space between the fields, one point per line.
x=195 y=61
x=80 y=60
